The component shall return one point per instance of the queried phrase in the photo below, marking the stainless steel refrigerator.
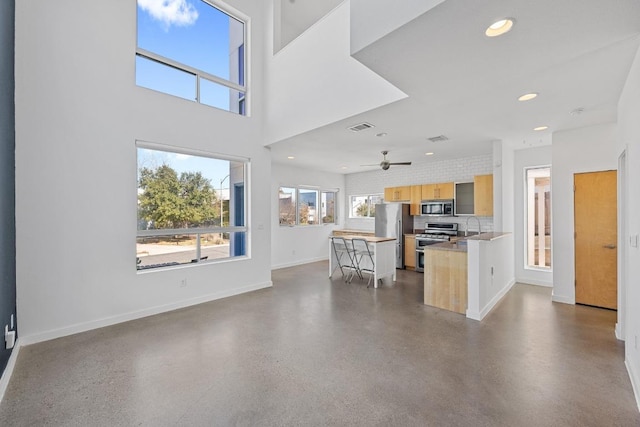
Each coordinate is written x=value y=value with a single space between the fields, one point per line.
x=394 y=220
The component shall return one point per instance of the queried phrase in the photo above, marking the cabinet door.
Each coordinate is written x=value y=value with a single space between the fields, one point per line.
x=483 y=195
x=445 y=190
x=416 y=198
x=389 y=194
x=428 y=191
x=404 y=193
x=410 y=252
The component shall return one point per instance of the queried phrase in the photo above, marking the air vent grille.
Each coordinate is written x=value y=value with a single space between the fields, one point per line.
x=360 y=126
x=439 y=138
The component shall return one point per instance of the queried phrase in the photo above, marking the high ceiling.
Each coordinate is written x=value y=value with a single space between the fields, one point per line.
x=575 y=53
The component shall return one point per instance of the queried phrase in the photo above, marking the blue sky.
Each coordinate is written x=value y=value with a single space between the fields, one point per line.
x=190 y=32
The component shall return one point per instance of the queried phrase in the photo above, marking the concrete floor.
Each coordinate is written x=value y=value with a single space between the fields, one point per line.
x=314 y=351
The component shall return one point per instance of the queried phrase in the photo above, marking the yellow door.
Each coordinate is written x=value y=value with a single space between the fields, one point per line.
x=596 y=237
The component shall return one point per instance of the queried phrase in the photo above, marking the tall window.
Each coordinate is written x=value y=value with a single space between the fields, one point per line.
x=186 y=214
x=306 y=206
x=364 y=206
x=538 y=217
x=193 y=50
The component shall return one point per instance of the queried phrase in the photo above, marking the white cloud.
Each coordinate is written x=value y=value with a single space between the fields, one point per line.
x=170 y=12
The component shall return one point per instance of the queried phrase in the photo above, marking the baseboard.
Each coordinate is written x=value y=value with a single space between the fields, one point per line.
x=635 y=382
x=562 y=299
x=530 y=281
x=487 y=308
x=108 y=321
x=298 y=262
x=619 y=332
x=8 y=370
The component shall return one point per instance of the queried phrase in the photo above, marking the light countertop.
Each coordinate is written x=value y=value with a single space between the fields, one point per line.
x=369 y=239
x=488 y=236
x=457 y=246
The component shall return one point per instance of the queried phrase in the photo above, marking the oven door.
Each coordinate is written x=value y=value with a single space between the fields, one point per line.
x=420 y=260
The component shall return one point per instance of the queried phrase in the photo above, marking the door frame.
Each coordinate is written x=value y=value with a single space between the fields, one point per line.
x=622 y=244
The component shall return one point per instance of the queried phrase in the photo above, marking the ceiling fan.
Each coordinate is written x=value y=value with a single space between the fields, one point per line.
x=385 y=164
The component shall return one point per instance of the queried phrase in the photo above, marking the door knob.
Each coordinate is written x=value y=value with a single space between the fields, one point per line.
x=609 y=246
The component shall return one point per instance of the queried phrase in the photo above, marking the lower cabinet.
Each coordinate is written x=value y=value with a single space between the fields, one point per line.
x=410 y=252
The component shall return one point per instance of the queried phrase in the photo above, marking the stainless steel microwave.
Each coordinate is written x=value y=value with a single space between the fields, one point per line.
x=437 y=208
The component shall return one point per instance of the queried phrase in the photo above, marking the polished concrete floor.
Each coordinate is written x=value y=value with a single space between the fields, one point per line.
x=314 y=351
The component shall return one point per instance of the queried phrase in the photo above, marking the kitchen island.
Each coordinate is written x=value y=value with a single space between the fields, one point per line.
x=469 y=276
x=384 y=256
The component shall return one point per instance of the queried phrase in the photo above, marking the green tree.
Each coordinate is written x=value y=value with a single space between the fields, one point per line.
x=170 y=201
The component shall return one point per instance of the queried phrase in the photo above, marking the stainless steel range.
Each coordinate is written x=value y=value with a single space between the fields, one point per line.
x=436 y=232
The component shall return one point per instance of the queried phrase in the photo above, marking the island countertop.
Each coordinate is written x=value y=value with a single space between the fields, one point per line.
x=489 y=236
x=369 y=239
x=456 y=246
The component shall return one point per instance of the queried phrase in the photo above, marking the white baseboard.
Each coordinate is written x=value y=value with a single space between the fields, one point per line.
x=8 y=370
x=562 y=299
x=298 y=262
x=619 y=332
x=635 y=382
x=530 y=281
x=487 y=308
x=108 y=321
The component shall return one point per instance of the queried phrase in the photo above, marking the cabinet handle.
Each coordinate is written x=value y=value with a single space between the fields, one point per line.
x=609 y=246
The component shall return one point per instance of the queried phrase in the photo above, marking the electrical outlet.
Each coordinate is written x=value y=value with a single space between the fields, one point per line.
x=183 y=283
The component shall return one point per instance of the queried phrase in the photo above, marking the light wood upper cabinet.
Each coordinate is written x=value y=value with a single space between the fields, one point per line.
x=483 y=195
x=440 y=191
x=398 y=194
x=410 y=252
x=416 y=198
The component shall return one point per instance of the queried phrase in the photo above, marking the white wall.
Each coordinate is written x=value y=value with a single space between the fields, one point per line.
x=420 y=172
x=314 y=81
x=299 y=245
x=629 y=137
x=78 y=115
x=586 y=149
x=531 y=157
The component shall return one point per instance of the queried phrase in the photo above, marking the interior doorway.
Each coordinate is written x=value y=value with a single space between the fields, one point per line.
x=596 y=238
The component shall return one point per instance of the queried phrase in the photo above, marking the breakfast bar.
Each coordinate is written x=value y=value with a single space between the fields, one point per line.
x=384 y=256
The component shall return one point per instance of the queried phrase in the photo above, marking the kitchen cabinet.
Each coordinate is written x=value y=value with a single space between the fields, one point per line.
x=464 y=198
x=410 y=252
x=483 y=195
x=446 y=279
x=440 y=191
x=416 y=198
x=398 y=194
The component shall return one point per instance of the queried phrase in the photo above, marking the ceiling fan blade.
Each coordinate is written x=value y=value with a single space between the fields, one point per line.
x=401 y=163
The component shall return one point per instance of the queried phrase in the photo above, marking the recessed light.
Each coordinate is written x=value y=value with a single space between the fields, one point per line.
x=290 y=157
x=528 y=96
x=381 y=134
x=344 y=167
x=500 y=27
x=428 y=154
x=541 y=128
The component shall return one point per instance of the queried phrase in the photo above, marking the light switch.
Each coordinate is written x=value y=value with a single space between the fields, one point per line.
x=633 y=241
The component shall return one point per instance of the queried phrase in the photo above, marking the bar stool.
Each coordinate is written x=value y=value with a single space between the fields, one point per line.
x=345 y=258
x=364 y=258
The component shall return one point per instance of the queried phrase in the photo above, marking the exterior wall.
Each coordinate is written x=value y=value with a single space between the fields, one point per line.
x=7 y=176
x=588 y=149
x=78 y=116
x=531 y=157
x=299 y=245
x=629 y=132
x=374 y=182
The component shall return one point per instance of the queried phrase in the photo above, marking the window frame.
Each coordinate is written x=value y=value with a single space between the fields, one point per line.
x=197 y=231
x=319 y=192
x=526 y=242
x=369 y=197
x=243 y=101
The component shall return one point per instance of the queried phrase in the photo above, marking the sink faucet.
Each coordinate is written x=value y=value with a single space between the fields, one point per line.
x=466 y=228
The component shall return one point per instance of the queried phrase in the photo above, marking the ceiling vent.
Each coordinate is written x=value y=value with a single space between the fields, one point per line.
x=439 y=138
x=361 y=126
